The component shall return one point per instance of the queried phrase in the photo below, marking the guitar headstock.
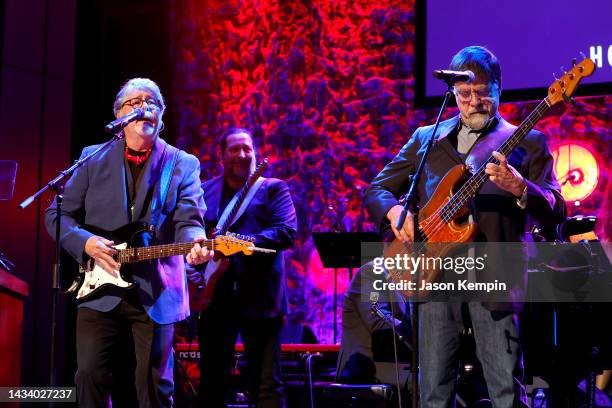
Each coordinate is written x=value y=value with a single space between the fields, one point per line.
x=563 y=88
x=261 y=167
x=230 y=244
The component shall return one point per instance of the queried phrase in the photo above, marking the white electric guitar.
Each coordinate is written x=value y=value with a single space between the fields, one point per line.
x=92 y=277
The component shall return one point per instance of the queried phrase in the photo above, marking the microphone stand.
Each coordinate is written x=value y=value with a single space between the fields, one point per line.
x=409 y=204
x=389 y=321
x=337 y=227
x=57 y=185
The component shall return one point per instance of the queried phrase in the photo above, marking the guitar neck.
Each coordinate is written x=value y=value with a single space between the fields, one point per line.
x=131 y=255
x=241 y=196
x=473 y=184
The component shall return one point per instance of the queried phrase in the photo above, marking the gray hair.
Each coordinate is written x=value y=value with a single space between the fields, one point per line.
x=144 y=84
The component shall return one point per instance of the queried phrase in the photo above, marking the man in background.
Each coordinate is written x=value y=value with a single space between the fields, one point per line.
x=250 y=296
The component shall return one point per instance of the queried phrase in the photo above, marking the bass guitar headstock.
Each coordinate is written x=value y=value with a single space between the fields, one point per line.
x=563 y=88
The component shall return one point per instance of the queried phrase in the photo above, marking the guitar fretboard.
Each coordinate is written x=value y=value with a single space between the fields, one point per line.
x=473 y=184
x=130 y=255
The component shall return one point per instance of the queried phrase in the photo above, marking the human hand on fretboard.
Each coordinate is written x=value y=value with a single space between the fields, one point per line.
x=199 y=254
x=505 y=176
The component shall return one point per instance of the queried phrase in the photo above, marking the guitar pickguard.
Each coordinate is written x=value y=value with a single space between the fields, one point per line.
x=95 y=277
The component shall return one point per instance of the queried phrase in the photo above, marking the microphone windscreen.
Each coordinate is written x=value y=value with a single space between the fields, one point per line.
x=140 y=112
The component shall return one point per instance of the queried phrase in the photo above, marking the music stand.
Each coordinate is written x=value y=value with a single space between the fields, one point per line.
x=341 y=250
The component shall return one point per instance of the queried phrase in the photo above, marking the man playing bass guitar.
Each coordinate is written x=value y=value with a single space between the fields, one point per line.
x=520 y=187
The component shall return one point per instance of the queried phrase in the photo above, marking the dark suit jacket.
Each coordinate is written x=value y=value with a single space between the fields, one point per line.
x=255 y=284
x=96 y=195
x=498 y=216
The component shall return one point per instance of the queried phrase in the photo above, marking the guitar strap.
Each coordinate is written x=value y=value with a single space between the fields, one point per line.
x=167 y=169
x=243 y=207
x=211 y=266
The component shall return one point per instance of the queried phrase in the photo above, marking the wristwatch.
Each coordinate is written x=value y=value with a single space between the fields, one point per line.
x=522 y=200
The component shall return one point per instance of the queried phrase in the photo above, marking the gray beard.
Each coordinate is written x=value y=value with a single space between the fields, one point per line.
x=477 y=121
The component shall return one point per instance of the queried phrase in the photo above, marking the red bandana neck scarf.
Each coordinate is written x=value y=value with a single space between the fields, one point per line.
x=137 y=159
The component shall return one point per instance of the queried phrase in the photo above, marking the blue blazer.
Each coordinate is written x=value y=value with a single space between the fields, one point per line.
x=255 y=284
x=96 y=195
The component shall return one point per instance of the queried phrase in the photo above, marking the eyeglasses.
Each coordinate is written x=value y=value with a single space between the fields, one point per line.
x=137 y=103
x=465 y=95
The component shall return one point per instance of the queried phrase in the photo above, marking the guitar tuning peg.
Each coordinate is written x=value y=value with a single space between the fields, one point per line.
x=582 y=55
x=555 y=76
x=563 y=69
x=573 y=62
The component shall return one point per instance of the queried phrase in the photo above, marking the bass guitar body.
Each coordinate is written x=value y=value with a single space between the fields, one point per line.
x=436 y=234
x=201 y=295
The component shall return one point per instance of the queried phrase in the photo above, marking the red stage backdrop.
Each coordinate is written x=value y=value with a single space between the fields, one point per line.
x=327 y=88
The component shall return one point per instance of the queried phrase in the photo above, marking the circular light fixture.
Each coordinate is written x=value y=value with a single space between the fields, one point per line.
x=576 y=170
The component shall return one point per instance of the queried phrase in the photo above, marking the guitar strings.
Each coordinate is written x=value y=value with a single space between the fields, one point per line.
x=443 y=215
x=125 y=255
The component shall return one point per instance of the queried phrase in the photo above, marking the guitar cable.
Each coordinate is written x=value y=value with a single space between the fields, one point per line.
x=395 y=357
x=389 y=320
x=310 y=382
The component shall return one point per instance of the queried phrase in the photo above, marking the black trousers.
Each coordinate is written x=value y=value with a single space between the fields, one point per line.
x=217 y=334
x=101 y=347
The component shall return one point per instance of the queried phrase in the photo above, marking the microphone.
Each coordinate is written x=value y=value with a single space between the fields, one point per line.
x=454 y=76
x=123 y=121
